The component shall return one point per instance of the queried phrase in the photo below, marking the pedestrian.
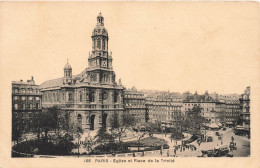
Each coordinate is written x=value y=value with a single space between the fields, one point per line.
x=161 y=152
x=133 y=154
x=168 y=153
x=171 y=139
x=174 y=152
x=232 y=138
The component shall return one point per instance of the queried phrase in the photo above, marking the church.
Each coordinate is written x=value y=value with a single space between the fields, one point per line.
x=92 y=96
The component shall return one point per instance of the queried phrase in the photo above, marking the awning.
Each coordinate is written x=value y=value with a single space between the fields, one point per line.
x=219 y=124
x=229 y=123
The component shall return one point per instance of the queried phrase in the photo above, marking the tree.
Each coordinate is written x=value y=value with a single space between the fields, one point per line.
x=16 y=129
x=103 y=137
x=194 y=120
x=178 y=126
x=76 y=131
x=119 y=124
x=36 y=124
x=89 y=143
x=45 y=121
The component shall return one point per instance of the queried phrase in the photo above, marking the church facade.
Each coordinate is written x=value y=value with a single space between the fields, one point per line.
x=92 y=96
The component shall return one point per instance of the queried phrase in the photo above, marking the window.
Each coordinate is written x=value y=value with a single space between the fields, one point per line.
x=115 y=97
x=23 y=106
x=104 y=44
x=30 y=98
x=31 y=106
x=58 y=97
x=80 y=97
x=16 y=106
x=15 y=97
x=79 y=119
x=37 y=98
x=23 y=98
x=98 y=43
x=54 y=97
x=92 y=96
x=37 y=105
x=23 y=90
x=70 y=97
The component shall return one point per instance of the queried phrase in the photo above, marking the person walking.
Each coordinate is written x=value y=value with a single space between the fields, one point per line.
x=133 y=154
x=232 y=139
x=168 y=153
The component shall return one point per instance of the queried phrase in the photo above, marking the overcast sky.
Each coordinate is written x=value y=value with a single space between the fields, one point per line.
x=160 y=45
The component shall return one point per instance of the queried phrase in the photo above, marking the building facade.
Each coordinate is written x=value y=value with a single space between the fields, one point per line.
x=245 y=104
x=26 y=102
x=163 y=108
x=92 y=96
x=134 y=103
x=211 y=109
x=233 y=111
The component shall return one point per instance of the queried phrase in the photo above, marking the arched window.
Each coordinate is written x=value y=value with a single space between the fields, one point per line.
x=116 y=97
x=80 y=96
x=58 y=97
x=23 y=90
x=70 y=97
x=98 y=44
x=104 y=45
x=79 y=119
x=92 y=96
x=54 y=97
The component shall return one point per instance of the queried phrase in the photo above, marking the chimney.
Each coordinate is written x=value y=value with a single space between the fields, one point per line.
x=32 y=78
x=21 y=81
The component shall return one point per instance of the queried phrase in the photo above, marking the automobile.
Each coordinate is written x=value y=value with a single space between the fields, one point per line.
x=142 y=129
x=230 y=154
x=165 y=146
x=217 y=133
x=224 y=129
x=221 y=151
x=209 y=139
x=207 y=153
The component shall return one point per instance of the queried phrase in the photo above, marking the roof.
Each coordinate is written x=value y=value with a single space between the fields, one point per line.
x=199 y=98
x=67 y=66
x=52 y=83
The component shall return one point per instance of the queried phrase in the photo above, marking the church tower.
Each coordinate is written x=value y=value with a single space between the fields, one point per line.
x=100 y=61
x=67 y=79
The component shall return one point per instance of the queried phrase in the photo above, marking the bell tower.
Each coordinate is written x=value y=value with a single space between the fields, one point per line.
x=100 y=67
x=67 y=79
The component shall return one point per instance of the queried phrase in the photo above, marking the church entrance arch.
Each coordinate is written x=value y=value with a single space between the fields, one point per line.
x=92 y=122
x=104 y=120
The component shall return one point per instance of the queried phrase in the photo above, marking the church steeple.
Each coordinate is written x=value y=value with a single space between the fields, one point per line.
x=99 y=60
x=67 y=74
x=100 y=20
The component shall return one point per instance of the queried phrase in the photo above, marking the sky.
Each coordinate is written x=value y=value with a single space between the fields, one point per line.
x=175 y=46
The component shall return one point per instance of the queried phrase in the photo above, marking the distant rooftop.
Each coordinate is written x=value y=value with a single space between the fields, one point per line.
x=28 y=82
